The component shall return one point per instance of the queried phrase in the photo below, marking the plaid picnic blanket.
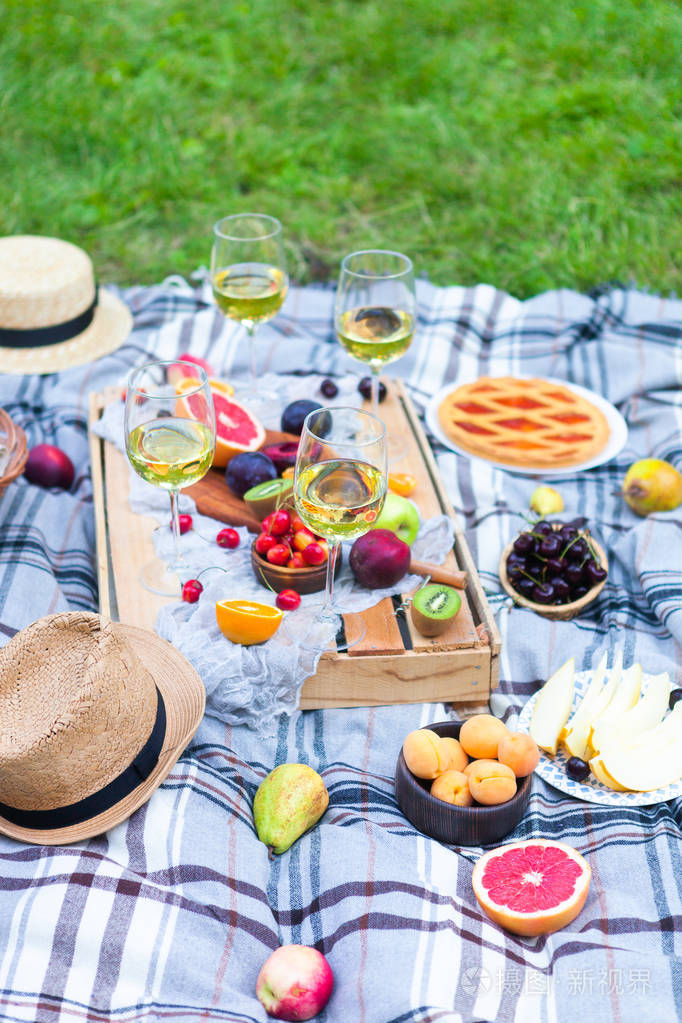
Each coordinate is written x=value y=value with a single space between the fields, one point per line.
x=171 y=915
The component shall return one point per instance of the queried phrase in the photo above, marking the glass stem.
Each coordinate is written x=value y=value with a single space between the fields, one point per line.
x=253 y=369
x=375 y=391
x=175 y=526
x=328 y=604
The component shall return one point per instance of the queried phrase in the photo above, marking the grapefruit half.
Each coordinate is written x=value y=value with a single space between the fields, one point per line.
x=532 y=887
x=237 y=429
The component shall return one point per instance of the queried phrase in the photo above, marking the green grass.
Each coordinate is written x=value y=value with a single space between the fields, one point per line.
x=530 y=145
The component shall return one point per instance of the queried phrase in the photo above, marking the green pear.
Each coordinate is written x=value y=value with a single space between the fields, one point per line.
x=652 y=485
x=288 y=803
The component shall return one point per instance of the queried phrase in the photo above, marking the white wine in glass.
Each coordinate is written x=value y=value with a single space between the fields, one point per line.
x=340 y=485
x=170 y=443
x=375 y=309
x=249 y=277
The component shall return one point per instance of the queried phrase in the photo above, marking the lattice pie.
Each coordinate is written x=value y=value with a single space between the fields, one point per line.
x=525 y=422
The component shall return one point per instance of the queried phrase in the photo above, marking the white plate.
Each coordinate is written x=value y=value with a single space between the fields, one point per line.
x=553 y=769
x=618 y=432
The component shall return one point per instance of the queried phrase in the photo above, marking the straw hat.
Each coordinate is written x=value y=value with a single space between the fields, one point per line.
x=94 y=716
x=51 y=314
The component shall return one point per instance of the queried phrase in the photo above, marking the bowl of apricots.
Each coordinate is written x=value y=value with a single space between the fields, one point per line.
x=465 y=782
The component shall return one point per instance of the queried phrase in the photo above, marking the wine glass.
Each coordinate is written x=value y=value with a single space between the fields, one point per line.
x=249 y=278
x=170 y=442
x=340 y=485
x=375 y=310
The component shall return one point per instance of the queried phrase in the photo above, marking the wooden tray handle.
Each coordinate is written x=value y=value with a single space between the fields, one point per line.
x=439 y=574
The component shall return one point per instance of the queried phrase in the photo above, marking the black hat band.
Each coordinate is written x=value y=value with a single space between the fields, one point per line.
x=36 y=337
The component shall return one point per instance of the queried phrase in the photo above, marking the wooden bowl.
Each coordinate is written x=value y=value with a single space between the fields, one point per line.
x=457 y=825
x=557 y=612
x=279 y=577
x=13 y=438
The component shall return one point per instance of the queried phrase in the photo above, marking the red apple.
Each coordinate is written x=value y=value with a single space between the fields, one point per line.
x=294 y=983
x=379 y=559
x=49 y=466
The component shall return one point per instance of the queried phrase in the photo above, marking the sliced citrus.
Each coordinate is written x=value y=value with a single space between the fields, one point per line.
x=246 y=621
x=403 y=483
x=532 y=887
x=237 y=429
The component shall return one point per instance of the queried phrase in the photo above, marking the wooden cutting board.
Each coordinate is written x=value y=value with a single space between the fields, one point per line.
x=214 y=498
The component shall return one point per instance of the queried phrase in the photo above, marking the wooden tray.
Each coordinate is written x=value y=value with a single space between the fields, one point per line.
x=393 y=663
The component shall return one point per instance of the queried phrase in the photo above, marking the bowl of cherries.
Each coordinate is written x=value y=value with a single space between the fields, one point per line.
x=553 y=568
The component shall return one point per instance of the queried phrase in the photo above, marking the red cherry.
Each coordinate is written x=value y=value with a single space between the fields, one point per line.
x=281 y=522
x=264 y=541
x=314 y=554
x=279 y=554
x=302 y=537
x=191 y=591
x=185 y=522
x=267 y=523
x=228 y=538
x=287 y=600
x=297 y=523
x=296 y=561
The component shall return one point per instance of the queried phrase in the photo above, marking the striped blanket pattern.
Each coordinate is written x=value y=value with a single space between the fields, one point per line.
x=170 y=915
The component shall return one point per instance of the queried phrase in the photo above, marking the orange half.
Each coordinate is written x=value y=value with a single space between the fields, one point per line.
x=246 y=621
x=403 y=483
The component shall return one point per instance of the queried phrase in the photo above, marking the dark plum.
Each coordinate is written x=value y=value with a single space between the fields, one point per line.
x=283 y=455
x=247 y=469
x=294 y=414
x=578 y=769
x=675 y=697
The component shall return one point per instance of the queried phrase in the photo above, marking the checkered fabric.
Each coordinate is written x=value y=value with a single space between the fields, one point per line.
x=171 y=915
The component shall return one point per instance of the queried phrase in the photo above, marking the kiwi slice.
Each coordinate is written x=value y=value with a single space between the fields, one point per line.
x=266 y=496
x=433 y=607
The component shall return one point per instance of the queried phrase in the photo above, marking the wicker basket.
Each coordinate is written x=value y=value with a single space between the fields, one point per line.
x=14 y=439
x=557 y=612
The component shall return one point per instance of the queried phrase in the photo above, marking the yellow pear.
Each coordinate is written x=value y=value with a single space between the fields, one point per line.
x=546 y=501
x=652 y=485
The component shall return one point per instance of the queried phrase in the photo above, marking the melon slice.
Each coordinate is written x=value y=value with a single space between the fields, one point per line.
x=553 y=707
x=624 y=698
x=653 y=760
x=237 y=429
x=591 y=705
x=602 y=775
x=647 y=712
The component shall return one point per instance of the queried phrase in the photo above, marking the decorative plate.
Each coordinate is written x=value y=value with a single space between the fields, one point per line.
x=618 y=433
x=553 y=769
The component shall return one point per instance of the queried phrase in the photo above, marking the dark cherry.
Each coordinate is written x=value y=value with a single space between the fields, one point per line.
x=543 y=528
x=550 y=546
x=524 y=586
x=555 y=566
x=578 y=550
x=328 y=388
x=578 y=769
x=365 y=388
x=568 y=533
x=543 y=593
x=573 y=574
x=523 y=543
x=562 y=591
x=579 y=591
x=594 y=573
x=674 y=697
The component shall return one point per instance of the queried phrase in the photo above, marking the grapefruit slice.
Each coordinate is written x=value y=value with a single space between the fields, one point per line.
x=532 y=887
x=236 y=428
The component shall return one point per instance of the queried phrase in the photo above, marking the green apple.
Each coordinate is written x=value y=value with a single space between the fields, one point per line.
x=400 y=516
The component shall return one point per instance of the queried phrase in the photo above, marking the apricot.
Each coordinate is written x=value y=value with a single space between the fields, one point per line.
x=491 y=783
x=452 y=787
x=520 y=752
x=457 y=758
x=474 y=764
x=424 y=755
x=480 y=735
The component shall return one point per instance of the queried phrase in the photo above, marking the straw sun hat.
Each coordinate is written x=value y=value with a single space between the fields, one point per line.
x=94 y=716
x=52 y=316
